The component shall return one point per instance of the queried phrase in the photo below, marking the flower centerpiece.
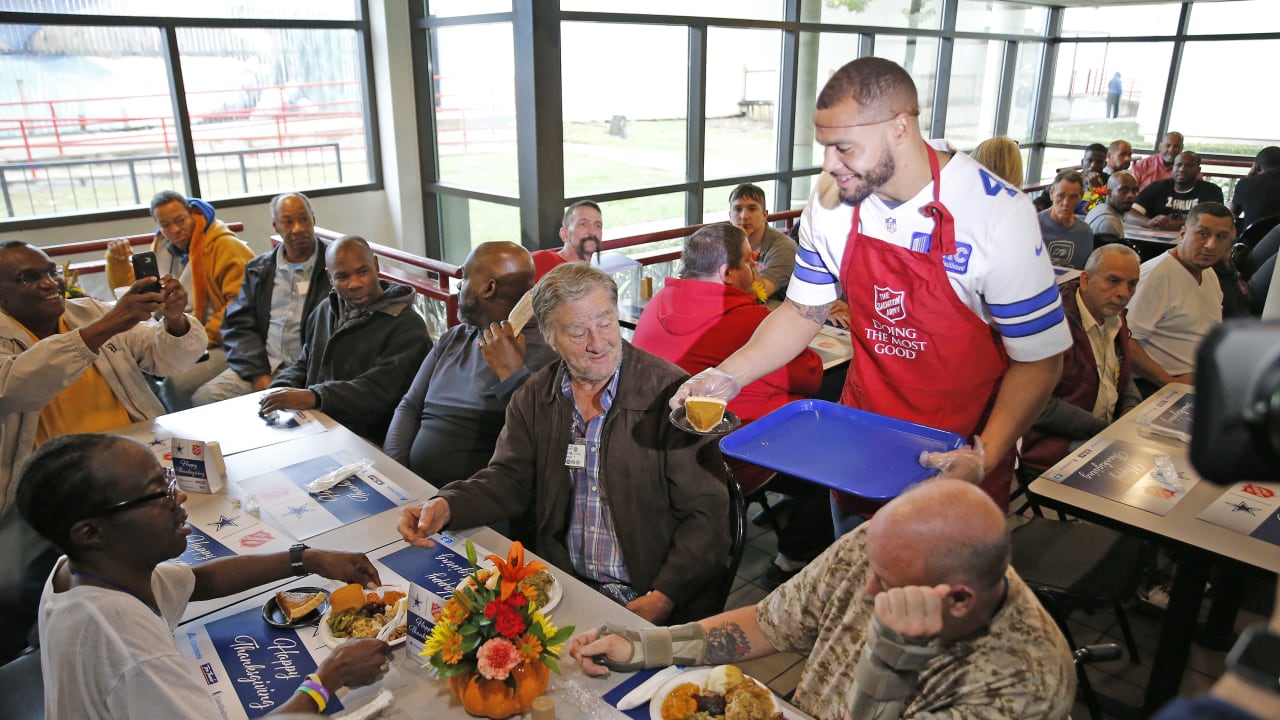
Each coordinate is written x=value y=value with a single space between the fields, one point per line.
x=491 y=639
x=72 y=280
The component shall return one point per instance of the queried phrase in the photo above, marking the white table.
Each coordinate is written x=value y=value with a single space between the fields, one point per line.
x=362 y=536
x=1198 y=543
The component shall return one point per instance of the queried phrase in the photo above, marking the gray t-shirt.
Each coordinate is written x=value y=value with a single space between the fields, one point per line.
x=1105 y=220
x=777 y=258
x=1068 y=246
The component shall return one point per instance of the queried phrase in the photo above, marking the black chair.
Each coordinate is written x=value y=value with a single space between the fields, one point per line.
x=1084 y=656
x=1252 y=234
x=1076 y=565
x=22 y=687
x=737 y=536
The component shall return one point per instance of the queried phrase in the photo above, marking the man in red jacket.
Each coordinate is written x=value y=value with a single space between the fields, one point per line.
x=1097 y=371
x=699 y=319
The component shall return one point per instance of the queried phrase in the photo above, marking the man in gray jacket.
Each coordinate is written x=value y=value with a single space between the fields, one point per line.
x=70 y=366
x=619 y=496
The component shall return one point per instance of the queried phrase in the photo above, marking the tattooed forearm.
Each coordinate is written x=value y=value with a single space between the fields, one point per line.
x=814 y=313
x=726 y=643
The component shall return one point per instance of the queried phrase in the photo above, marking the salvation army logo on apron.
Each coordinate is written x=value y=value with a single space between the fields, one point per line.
x=889 y=303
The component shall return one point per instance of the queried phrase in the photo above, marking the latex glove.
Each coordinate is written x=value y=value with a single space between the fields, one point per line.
x=708 y=383
x=966 y=463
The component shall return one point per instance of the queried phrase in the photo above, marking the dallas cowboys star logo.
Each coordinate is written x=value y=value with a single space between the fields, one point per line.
x=1244 y=507
x=224 y=522
x=417 y=602
x=179 y=448
x=298 y=510
x=158 y=442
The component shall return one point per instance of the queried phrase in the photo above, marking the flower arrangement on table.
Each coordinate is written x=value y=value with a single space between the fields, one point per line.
x=72 y=280
x=492 y=641
x=1093 y=195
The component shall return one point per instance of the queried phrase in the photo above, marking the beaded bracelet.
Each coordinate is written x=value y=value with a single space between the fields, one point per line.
x=312 y=687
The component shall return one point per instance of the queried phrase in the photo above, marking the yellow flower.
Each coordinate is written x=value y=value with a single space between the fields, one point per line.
x=529 y=647
x=549 y=630
x=444 y=641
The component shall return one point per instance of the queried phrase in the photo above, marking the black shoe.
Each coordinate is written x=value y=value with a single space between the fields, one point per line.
x=775 y=576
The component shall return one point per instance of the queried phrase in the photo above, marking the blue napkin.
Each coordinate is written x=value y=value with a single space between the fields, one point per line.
x=613 y=696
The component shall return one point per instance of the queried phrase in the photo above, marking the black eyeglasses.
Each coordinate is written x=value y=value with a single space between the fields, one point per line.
x=31 y=277
x=170 y=491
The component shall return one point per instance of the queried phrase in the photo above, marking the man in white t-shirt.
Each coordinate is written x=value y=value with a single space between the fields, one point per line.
x=947 y=259
x=112 y=603
x=1179 y=299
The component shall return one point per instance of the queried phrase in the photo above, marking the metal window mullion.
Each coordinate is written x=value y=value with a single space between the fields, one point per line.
x=942 y=76
x=695 y=123
x=1008 y=76
x=424 y=91
x=373 y=155
x=866 y=45
x=788 y=68
x=1044 y=95
x=181 y=120
x=1175 y=65
x=539 y=120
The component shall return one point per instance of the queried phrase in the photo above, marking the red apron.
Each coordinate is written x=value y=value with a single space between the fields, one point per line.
x=920 y=354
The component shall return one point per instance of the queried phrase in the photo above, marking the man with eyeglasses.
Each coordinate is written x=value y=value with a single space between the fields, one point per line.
x=72 y=366
x=955 y=316
x=110 y=607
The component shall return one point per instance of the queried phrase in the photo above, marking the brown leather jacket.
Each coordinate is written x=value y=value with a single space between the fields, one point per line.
x=666 y=488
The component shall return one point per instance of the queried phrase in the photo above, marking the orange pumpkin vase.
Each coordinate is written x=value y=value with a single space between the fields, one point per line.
x=494 y=699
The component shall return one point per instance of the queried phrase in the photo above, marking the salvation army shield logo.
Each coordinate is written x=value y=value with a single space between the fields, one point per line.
x=890 y=304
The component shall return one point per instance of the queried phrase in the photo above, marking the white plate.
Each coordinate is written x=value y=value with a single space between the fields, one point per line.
x=697 y=676
x=333 y=641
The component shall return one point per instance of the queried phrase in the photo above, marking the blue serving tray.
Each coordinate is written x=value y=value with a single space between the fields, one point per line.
x=854 y=451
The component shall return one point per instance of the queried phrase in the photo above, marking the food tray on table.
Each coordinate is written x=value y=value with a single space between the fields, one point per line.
x=853 y=451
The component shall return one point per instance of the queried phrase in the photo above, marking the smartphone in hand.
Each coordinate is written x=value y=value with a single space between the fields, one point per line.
x=146 y=265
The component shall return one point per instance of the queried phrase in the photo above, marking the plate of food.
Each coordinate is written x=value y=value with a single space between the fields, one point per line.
x=355 y=612
x=714 y=694
x=542 y=588
x=296 y=607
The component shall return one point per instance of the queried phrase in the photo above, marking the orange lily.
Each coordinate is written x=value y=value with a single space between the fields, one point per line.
x=513 y=570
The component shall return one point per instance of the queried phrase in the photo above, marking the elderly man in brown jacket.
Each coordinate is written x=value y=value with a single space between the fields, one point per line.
x=619 y=496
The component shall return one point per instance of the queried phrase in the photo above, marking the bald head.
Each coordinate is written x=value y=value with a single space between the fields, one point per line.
x=940 y=532
x=353 y=271
x=495 y=276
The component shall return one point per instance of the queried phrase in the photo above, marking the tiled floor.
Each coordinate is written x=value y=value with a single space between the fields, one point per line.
x=1119 y=683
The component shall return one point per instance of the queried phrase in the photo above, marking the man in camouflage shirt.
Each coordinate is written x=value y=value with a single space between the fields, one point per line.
x=916 y=614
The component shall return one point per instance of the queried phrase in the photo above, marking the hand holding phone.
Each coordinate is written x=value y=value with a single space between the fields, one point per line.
x=145 y=265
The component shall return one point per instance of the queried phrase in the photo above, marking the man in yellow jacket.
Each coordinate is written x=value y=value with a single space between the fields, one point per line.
x=202 y=252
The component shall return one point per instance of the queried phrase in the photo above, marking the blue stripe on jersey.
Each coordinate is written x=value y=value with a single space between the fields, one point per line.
x=813 y=277
x=810 y=257
x=1028 y=306
x=1031 y=327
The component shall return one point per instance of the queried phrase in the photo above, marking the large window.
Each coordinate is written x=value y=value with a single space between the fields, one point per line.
x=1208 y=88
x=87 y=111
x=1084 y=78
x=742 y=101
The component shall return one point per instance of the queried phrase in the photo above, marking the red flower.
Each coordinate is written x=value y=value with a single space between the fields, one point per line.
x=492 y=609
x=509 y=623
x=517 y=600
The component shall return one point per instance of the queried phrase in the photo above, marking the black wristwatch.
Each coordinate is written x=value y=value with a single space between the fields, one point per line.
x=295 y=558
x=1255 y=657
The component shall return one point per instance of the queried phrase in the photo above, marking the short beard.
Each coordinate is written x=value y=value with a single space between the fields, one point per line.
x=872 y=181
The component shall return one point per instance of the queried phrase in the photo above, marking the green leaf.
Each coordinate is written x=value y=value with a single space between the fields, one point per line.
x=469 y=644
x=561 y=635
x=550 y=662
